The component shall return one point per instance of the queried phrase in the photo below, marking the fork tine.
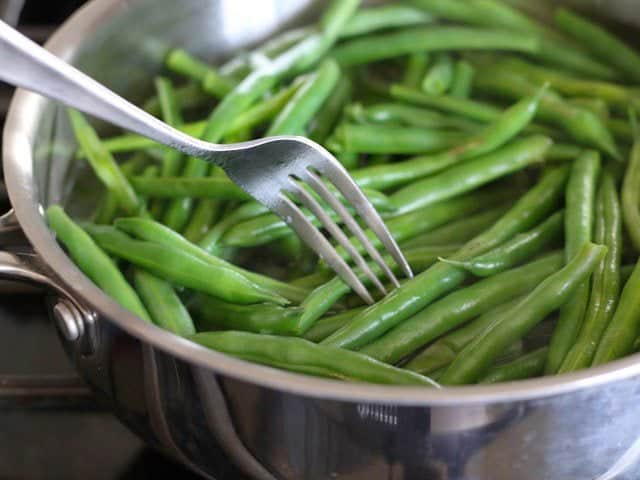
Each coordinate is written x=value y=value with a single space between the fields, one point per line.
x=315 y=207
x=294 y=217
x=340 y=178
x=321 y=189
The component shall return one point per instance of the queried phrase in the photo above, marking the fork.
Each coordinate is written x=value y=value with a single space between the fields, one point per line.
x=271 y=170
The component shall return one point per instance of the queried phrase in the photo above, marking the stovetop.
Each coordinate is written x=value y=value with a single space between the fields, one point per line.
x=50 y=425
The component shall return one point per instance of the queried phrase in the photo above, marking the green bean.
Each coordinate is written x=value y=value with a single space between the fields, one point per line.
x=162 y=302
x=383 y=17
x=324 y=122
x=596 y=106
x=439 y=75
x=502 y=129
x=630 y=196
x=472 y=174
x=326 y=326
x=150 y=173
x=417 y=64
x=458 y=308
x=623 y=329
x=443 y=351
x=150 y=231
x=337 y=17
x=620 y=129
x=582 y=125
x=464 y=107
x=103 y=164
x=181 y=268
x=553 y=292
x=173 y=159
x=440 y=279
x=527 y=366
x=214 y=314
x=93 y=261
x=394 y=139
x=551 y=48
x=625 y=273
x=307 y=101
x=600 y=42
x=109 y=206
x=221 y=188
x=269 y=227
x=462 y=83
x=373 y=48
x=521 y=247
x=563 y=151
x=325 y=296
x=189 y=96
x=265 y=110
x=411 y=224
x=579 y=220
x=610 y=92
x=409 y=115
x=210 y=242
x=302 y=356
x=179 y=61
x=457 y=231
x=605 y=288
x=349 y=160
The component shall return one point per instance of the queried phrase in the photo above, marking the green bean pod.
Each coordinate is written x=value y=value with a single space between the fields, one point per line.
x=439 y=75
x=458 y=308
x=181 y=268
x=383 y=17
x=394 y=139
x=420 y=291
x=416 y=222
x=162 y=302
x=579 y=221
x=416 y=69
x=605 y=288
x=214 y=314
x=520 y=248
x=552 y=48
x=150 y=231
x=326 y=326
x=409 y=115
x=324 y=122
x=502 y=129
x=476 y=358
x=464 y=107
x=269 y=227
x=463 y=76
x=301 y=356
x=621 y=333
x=472 y=174
x=179 y=61
x=630 y=196
x=103 y=164
x=581 y=124
x=373 y=48
x=307 y=101
x=443 y=351
x=211 y=240
x=220 y=188
x=600 y=42
x=527 y=366
x=457 y=231
x=94 y=262
x=325 y=296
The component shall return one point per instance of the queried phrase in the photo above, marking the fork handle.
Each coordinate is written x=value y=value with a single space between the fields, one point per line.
x=26 y=64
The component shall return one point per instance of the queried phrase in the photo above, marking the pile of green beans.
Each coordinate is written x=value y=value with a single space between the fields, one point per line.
x=502 y=153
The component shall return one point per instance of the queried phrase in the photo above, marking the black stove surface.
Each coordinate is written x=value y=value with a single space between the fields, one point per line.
x=50 y=425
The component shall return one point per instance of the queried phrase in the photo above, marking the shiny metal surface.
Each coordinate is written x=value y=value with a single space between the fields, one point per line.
x=263 y=168
x=204 y=408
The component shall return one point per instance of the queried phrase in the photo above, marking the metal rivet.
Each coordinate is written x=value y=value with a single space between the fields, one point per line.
x=67 y=321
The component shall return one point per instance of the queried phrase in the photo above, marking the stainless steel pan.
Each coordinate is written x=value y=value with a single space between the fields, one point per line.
x=204 y=408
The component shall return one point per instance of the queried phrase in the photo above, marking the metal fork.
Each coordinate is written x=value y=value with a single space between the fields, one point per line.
x=267 y=169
